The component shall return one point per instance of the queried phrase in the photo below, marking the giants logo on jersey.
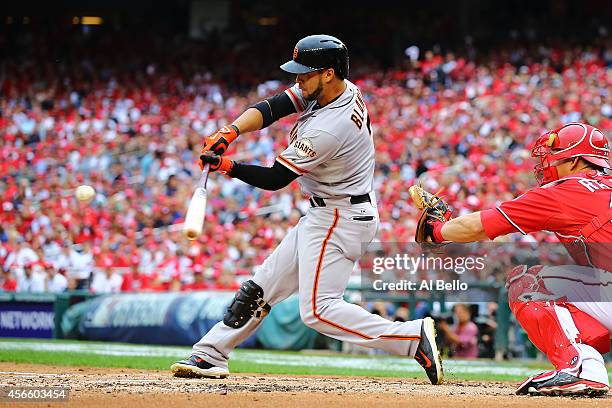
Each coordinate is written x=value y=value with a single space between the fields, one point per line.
x=304 y=148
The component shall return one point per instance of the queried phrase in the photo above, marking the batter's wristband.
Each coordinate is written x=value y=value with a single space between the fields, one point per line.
x=437 y=232
x=236 y=129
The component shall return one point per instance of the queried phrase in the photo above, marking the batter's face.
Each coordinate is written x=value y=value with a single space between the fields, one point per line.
x=311 y=84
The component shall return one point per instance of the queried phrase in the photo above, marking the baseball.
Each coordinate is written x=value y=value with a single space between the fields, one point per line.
x=85 y=193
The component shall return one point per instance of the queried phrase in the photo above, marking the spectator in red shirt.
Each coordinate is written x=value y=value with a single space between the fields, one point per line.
x=199 y=282
x=134 y=281
x=9 y=283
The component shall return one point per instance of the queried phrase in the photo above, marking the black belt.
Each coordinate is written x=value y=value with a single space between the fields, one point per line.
x=320 y=202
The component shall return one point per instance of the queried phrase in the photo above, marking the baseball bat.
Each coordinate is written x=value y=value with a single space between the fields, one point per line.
x=194 y=220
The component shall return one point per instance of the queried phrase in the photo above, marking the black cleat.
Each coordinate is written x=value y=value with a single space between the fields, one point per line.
x=561 y=383
x=427 y=354
x=197 y=367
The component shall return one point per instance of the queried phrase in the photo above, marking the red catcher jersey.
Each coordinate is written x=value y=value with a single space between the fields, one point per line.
x=566 y=207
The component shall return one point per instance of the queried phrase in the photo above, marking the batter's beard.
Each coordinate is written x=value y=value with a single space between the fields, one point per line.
x=316 y=93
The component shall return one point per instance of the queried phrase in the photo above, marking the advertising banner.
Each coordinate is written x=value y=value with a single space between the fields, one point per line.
x=26 y=319
x=156 y=318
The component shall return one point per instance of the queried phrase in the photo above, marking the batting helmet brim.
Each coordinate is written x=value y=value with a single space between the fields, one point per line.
x=296 y=68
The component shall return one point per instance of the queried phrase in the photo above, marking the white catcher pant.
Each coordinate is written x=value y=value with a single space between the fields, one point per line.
x=316 y=259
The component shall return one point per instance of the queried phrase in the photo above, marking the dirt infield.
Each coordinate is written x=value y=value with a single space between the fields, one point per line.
x=138 y=388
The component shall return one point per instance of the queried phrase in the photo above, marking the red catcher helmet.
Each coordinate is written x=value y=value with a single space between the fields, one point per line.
x=569 y=141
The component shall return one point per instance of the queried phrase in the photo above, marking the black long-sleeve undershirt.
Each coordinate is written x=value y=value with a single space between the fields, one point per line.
x=267 y=178
x=274 y=108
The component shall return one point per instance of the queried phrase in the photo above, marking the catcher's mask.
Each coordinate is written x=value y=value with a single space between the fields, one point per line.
x=565 y=143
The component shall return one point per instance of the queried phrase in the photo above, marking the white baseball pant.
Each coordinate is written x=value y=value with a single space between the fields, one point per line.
x=316 y=259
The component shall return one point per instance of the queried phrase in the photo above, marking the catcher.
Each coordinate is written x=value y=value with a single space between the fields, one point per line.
x=574 y=201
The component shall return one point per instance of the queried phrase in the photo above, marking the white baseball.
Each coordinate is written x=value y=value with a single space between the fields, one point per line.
x=85 y=193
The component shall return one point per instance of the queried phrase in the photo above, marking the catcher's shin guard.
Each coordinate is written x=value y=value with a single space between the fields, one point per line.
x=540 y=321
x=556 y=328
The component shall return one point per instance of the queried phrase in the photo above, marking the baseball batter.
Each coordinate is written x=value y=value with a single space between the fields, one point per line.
x=574 y=201
x=331 y=153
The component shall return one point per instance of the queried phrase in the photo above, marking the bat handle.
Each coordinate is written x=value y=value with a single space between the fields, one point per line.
x=204 y=176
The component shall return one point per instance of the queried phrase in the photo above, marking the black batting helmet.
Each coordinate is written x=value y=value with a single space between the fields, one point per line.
x=317 y=52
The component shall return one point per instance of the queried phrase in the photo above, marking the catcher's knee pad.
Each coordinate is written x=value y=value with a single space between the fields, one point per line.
x=551 y=329
x=525 y=284
x=248 y=302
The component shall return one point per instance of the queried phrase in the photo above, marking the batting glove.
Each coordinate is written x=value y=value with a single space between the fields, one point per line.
x=217 y=163
x=220 y=141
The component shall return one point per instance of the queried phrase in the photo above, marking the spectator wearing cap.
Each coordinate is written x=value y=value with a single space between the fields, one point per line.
x=56 y=281
x=33 y=279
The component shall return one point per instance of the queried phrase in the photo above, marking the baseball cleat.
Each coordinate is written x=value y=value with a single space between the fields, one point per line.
x=427 y=354
x=523 y=389
x=561 y=383
x=196 y=367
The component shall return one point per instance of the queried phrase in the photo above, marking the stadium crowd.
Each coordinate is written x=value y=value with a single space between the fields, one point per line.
x=134 y=132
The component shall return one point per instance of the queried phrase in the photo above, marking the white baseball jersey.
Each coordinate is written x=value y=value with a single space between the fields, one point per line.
x=331 y=147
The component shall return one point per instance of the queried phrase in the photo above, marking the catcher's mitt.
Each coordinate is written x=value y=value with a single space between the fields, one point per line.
x=435 y=211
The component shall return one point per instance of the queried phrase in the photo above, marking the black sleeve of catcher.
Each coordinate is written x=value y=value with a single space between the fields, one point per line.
x=268 y=178
x=274 y=108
